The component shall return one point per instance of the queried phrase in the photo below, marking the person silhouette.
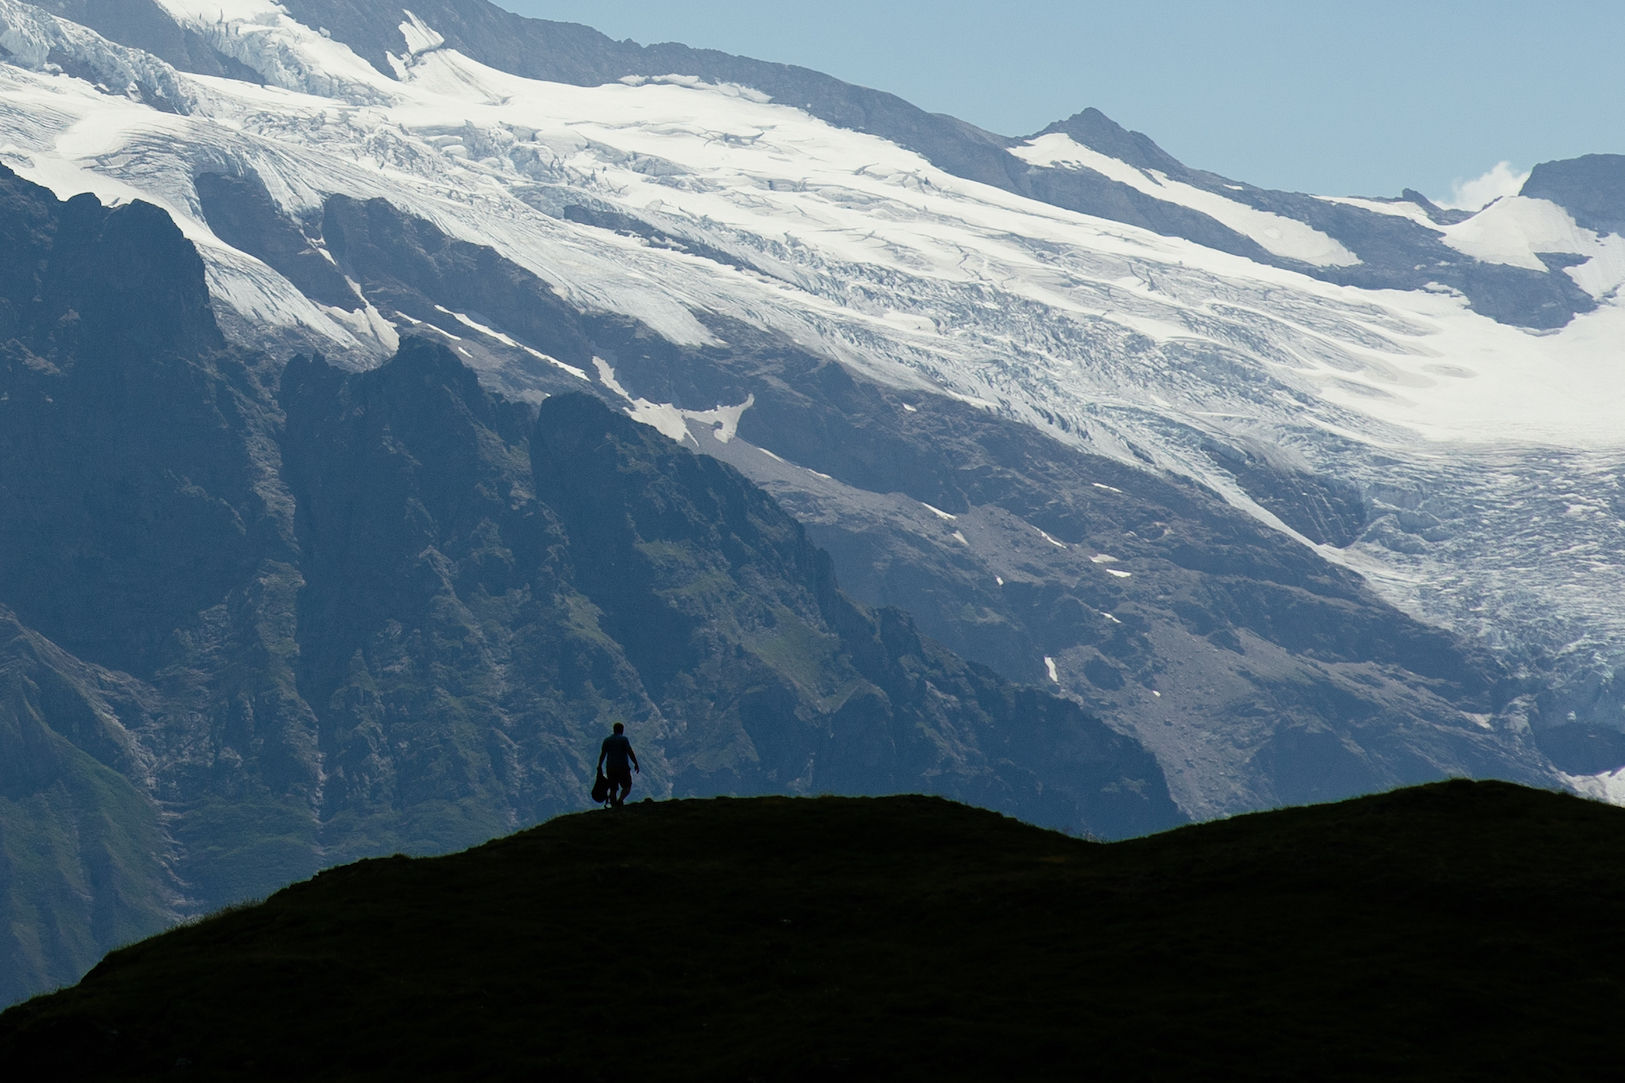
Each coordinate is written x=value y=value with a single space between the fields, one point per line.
x=617 y=750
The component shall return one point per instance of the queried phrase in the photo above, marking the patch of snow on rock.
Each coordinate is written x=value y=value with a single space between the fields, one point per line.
x=420 y=37
x=672 y=421
x=1277 y=234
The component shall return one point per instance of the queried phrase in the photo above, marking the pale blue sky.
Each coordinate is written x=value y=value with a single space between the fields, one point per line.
x=1331 y=97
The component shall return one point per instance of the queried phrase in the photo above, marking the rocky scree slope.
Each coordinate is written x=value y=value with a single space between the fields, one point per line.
x=263 y=621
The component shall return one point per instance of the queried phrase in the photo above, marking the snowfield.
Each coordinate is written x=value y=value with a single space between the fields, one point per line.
x=1513 y=230
x=1492 y=454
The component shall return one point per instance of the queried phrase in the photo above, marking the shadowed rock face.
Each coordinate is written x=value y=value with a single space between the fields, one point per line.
x=241 y=213
x=407 y=265
x=1591 y=188
x=130 y=489
x=257 y=629
x=656 y=551
x=82 y=849
x=581 y=566
x=144 y=546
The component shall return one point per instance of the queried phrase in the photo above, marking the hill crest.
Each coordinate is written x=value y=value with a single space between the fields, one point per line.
x=1456 y=930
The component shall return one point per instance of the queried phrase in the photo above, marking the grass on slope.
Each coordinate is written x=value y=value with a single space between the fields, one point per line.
x=1454 y=931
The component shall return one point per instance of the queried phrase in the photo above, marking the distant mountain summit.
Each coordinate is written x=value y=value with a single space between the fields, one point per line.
x=1094 y=129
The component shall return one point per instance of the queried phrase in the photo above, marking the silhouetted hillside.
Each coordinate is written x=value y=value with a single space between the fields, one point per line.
x=1454 y=931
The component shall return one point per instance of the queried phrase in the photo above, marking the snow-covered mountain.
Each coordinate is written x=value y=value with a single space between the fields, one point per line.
x=1429 y=399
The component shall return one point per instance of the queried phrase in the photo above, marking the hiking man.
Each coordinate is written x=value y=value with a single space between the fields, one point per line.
x=617 y=750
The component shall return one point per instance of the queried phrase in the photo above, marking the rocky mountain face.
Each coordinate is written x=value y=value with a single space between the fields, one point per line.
x=1260 y=673
x=258 y=623
x=1591 y=188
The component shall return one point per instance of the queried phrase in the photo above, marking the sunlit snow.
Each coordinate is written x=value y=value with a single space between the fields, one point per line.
x=1517 y=229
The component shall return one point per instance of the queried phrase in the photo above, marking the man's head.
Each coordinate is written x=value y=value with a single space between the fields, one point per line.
x=619 y=728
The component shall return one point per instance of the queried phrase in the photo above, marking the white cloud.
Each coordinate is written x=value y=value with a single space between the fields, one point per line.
x=1475 y=194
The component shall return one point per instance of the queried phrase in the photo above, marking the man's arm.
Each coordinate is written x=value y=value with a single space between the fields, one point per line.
x=603 y=750
x=634 y=756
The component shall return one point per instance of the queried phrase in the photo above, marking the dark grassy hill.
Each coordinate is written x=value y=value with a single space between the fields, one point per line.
x=1454 y=931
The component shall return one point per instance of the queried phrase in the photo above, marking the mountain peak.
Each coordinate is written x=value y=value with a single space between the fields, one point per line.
x=1097 y=131
x=1442 y=215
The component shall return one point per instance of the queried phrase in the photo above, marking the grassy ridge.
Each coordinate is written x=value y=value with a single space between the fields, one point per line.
x=1453 y=931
